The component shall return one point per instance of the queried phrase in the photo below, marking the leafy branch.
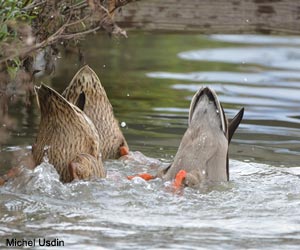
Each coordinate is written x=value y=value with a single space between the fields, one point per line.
x=30 y=27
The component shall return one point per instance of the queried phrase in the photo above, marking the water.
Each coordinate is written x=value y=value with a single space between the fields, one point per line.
x=150 y=79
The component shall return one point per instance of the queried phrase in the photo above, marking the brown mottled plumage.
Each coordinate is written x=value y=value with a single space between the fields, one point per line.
x=86 y=91
x=79 y=170
x=67 y=137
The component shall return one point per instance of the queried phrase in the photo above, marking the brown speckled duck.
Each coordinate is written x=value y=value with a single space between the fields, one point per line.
x=67 y=137
x=86 y=91
x=203 y=151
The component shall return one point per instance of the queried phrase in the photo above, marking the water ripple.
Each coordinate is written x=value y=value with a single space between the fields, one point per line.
x=257 y=39
x=271 y=56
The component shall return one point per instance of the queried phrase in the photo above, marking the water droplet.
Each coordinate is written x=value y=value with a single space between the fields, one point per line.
x=123 y=124
x=128 y=94
x=217 y=111
x=45 y=158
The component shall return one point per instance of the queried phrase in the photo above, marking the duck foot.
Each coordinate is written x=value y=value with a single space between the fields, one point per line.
x=144 y=176
x=124 y=150
x=179 y=179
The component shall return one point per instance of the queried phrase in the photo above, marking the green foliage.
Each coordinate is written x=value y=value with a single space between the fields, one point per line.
x=12 y=11
x=12 y=14
x=13 y=67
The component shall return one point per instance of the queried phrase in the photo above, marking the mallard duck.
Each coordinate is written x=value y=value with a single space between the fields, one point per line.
x=203 y=152
x=202 y=155
x=86 y=91
x=67 y=138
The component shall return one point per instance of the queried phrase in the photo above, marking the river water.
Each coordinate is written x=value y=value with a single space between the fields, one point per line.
x=150 y=79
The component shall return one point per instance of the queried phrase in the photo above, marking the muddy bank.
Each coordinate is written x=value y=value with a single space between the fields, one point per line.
x=219 y=16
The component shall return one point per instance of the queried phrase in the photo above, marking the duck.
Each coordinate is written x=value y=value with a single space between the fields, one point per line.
x=87 y=93
x=202 y=156
x=66 y=138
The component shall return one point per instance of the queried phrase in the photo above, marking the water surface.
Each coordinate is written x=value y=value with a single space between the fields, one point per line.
x=150 y=80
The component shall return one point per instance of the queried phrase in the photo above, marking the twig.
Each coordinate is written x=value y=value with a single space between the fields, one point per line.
x=78 y=34
x=100 y=16
x=79 y=5
x=33 y=5
x=120 y=4
x=76 y=22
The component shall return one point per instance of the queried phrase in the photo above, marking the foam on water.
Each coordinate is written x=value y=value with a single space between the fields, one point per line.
x=43 y=180
x=117 y=212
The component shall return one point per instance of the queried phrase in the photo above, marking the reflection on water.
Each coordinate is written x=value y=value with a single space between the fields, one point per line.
x=150 y=79
x=269 y=56
x=258 y=39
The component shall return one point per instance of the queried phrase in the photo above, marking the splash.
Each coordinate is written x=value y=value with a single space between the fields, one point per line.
x=42 y=180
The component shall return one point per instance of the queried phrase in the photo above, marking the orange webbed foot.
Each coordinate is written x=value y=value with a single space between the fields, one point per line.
x=179 y=179
x=124 y=150
x=144 y=176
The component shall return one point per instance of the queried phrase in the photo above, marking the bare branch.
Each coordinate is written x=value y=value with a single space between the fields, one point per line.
x=34 y=4
x=78 y=34
x=77 y=22
x=95 y=16
x=118 y=4
x=102 y=15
